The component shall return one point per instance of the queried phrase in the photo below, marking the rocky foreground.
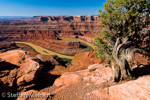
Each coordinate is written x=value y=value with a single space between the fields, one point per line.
x=22 y=78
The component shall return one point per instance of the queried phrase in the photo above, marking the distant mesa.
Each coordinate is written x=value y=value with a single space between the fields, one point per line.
x=45 y=18
x=70 y=18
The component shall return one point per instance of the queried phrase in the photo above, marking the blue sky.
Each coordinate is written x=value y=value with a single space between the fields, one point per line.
x=50 y=7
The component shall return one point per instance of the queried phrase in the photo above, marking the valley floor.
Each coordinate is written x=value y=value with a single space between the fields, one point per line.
x=42 y=50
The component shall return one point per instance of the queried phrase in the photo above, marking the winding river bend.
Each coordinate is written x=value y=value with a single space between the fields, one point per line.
x=46 y=51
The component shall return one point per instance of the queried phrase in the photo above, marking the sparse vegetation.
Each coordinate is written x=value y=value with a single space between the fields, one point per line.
x=68 y=62
x=45 y=51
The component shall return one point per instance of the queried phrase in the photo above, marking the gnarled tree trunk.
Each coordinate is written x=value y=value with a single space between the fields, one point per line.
x=122 y=59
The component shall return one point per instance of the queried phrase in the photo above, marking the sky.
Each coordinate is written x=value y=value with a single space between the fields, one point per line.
x=50 y=7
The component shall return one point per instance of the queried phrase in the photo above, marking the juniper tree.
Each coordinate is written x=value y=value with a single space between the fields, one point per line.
x=123 y=24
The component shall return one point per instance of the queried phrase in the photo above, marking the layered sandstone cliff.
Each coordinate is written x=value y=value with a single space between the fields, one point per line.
x=63 y=25
x=70 y=18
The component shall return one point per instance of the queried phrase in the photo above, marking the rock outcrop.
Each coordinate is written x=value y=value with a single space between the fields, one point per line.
x=133 y=90
x=36 y=79
x=96 y=73
x=95 y=83
x=75 y=84
x=18 y=72
x=83 y=60
x=80 y=82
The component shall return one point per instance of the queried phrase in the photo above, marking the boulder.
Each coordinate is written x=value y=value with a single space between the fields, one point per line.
x=99 y=76
x=14 y=56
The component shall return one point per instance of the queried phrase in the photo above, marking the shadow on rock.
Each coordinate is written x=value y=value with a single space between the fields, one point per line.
x=141 y=70
x=11 y=66
x=45 y=79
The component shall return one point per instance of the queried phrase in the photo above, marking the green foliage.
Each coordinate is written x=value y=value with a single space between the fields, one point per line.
x=120 y=18
x=104 y=44
x=101 y=48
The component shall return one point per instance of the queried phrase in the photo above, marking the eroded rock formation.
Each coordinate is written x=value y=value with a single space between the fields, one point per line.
x=18 y=73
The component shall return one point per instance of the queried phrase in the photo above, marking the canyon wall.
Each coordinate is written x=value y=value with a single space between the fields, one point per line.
x=62 y=29
x=47 y=29
x=60 y=25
